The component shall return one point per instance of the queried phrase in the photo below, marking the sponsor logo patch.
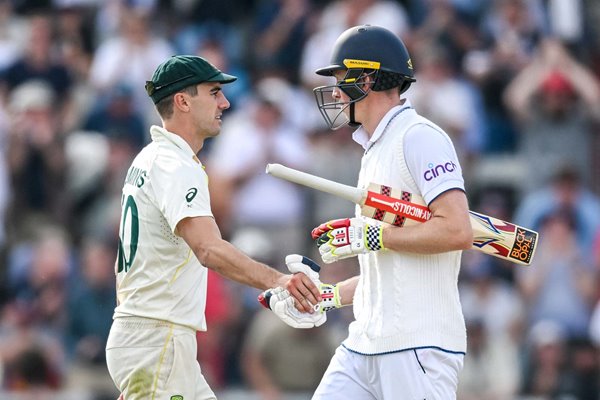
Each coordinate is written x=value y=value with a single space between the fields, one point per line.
x=191 y=193
x=435 y=171
x=524 y=244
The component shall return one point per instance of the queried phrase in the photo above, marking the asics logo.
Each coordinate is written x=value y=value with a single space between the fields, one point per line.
x=434 y=172
x=191 y=193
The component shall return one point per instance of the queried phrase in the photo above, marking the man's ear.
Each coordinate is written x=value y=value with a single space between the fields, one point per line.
x=180 y=101
x=367 y=81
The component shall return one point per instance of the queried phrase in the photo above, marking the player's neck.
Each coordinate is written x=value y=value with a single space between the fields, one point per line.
x=376 y=109
x=187 y=132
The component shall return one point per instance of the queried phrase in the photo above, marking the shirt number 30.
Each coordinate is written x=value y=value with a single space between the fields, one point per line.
x=130 y=224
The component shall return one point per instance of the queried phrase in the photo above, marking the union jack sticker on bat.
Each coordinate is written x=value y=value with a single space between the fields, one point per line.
x=490 y=235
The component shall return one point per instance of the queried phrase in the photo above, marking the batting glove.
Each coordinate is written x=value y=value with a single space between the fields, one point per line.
x=281 y=302
x=348 y=237
x=331 y=299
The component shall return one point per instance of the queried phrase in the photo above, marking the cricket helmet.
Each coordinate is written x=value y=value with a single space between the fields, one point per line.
x=362 y=51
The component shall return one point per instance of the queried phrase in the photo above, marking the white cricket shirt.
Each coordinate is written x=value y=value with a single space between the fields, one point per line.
x=158 y=276
x=406 y=300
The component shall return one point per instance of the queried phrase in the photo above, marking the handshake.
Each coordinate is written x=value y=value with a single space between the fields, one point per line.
x=337 y=239
x=280 y=301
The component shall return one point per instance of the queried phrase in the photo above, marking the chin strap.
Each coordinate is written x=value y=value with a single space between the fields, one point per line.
x=352 y=122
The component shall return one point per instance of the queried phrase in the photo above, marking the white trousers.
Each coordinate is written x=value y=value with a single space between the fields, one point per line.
x=421 y=374
x=155 y=360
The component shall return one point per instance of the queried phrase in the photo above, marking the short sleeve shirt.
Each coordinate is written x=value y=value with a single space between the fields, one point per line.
x=158 y=275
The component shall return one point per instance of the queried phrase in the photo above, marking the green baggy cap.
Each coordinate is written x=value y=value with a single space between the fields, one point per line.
x=179 y=72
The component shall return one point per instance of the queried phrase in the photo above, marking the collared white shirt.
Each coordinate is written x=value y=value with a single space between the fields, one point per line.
x=158 y=275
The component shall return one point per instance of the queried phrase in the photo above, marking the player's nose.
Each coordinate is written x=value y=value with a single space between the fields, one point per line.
x=223 y=102
x=336 y=93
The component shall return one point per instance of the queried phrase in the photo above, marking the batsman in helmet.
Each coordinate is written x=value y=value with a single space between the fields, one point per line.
x=408 y=339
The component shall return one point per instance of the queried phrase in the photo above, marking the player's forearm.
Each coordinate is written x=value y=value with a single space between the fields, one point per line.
x=449 y=228
x=347 y=289
x=437 y=235
x=224 y=258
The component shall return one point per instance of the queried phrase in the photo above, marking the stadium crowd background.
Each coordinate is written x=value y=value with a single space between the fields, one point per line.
x=514 y=82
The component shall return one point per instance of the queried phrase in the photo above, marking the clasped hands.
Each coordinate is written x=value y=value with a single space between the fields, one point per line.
x=281 y=302
x=337 y=239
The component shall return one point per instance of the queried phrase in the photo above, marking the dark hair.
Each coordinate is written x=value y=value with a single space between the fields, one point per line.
x=564 y=214
x=165 y=106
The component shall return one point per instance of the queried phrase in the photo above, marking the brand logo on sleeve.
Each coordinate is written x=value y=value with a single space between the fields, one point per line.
x=435 y=171
x=191 y=193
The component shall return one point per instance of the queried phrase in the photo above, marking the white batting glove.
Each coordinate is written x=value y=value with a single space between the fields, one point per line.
x=281 y=302
x=347 y=237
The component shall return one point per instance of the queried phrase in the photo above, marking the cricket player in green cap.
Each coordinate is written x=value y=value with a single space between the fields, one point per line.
x=168 y=238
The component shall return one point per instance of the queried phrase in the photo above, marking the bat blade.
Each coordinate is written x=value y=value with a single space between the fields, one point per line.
x=490 y=235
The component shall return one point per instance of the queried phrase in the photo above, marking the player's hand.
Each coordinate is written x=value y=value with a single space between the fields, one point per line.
x=348 y=237
x=281 y=303
x=303 y=285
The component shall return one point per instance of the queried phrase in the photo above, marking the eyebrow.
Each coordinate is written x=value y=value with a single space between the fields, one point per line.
x=215 y=89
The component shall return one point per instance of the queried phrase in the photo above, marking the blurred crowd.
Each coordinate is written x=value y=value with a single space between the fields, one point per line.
x=516 y=83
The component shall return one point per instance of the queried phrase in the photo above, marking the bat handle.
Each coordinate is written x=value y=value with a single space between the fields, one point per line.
x=347 y=192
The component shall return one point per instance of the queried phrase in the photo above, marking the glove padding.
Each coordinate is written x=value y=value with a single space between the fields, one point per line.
x=281 y=302
x=347 y=237
x=330 y=297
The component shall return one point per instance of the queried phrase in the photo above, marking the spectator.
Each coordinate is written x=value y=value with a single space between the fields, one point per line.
x=559 y=286
x=118 y=118
x=39 y=63
x=491 y=370
x=12 y=31
x=278 y=359
x=566 y=191
x=339 y=15
x=38 y=276
x=511 y=31
x=581 y=376
x=215 y=50
x=90 y=307
x=129 y=58
x=36 y=160
x=493 y=302
x=452 y=102
x=91 y=303
x=333 y=155
x=280 y=30
x=555 y=100
x=545 y=362
x=250 y=197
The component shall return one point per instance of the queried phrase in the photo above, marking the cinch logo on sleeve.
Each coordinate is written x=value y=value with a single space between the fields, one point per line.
x=434 y=172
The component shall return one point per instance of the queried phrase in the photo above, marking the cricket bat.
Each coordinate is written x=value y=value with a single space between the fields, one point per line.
x=490 y=235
